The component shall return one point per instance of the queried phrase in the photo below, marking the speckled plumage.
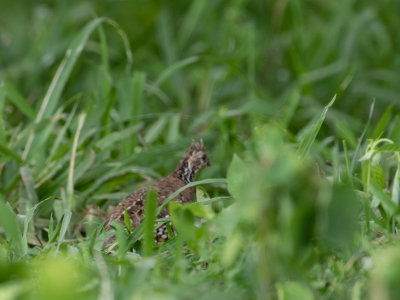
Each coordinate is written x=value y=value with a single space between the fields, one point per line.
x=194 y=159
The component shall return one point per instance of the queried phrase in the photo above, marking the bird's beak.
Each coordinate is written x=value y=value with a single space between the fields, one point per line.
x=208 y=162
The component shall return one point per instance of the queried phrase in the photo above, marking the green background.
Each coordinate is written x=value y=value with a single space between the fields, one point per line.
x=297 y=103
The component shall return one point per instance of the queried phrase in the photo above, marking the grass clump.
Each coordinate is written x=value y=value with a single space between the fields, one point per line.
x=301 y=199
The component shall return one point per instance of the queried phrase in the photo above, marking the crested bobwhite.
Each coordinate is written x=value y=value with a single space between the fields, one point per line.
x=194 y=159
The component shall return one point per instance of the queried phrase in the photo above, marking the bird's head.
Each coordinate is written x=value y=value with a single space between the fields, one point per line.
x=194 y=159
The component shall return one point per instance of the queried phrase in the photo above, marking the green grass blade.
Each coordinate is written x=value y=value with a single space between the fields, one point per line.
x=156 y=129
x=173 y=134
x=18 y=100
x=310 y=136
x=7 y=152
x=70 y=184
x=112 y=138
x=51 y=170
x=380 y=128
x=64 y=227
x=347 y=159
x=215 y=199
x=106 y=100
x=27 y=179
x=396 y=185
x=150 y=213
x=138 y=84
x=104 y=49
x=361 y=139
x=115 y=172
x=174 y=68
x=53 y=94
x=127 y=221
x=132 y=107
x=63 y=72
x=28 y=217
x=61 y=134
x=139 y=230
x=121 y=237
x=292 y=104
x=195 y=183
x=190 y=22
x=2 y=127
x=125 y=40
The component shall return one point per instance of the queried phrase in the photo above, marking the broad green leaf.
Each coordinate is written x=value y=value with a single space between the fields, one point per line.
x=197 y=209
x=390 y=207
x=8 y=220
x=11 y=290
x=231 y=249
x=201 y=194
x=237 y=176
x=340 y=223
x=388 y=148
x=385 y=273
x=378 y=175
x=292 y=290
x=183 y=221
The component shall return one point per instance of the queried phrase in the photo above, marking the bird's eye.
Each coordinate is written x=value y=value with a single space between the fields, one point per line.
x=203 y=157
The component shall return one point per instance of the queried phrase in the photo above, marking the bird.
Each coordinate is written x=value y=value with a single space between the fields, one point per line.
x=194 y=160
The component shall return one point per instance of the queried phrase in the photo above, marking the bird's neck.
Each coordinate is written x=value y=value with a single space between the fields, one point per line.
x=185 y=171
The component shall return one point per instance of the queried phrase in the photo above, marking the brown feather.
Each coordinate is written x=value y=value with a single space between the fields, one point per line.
x=194 y=159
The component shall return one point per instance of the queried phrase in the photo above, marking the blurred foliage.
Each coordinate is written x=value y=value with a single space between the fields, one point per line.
x=100 y=98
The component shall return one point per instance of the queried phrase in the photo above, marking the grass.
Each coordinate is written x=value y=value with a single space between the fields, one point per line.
x=298 y=107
